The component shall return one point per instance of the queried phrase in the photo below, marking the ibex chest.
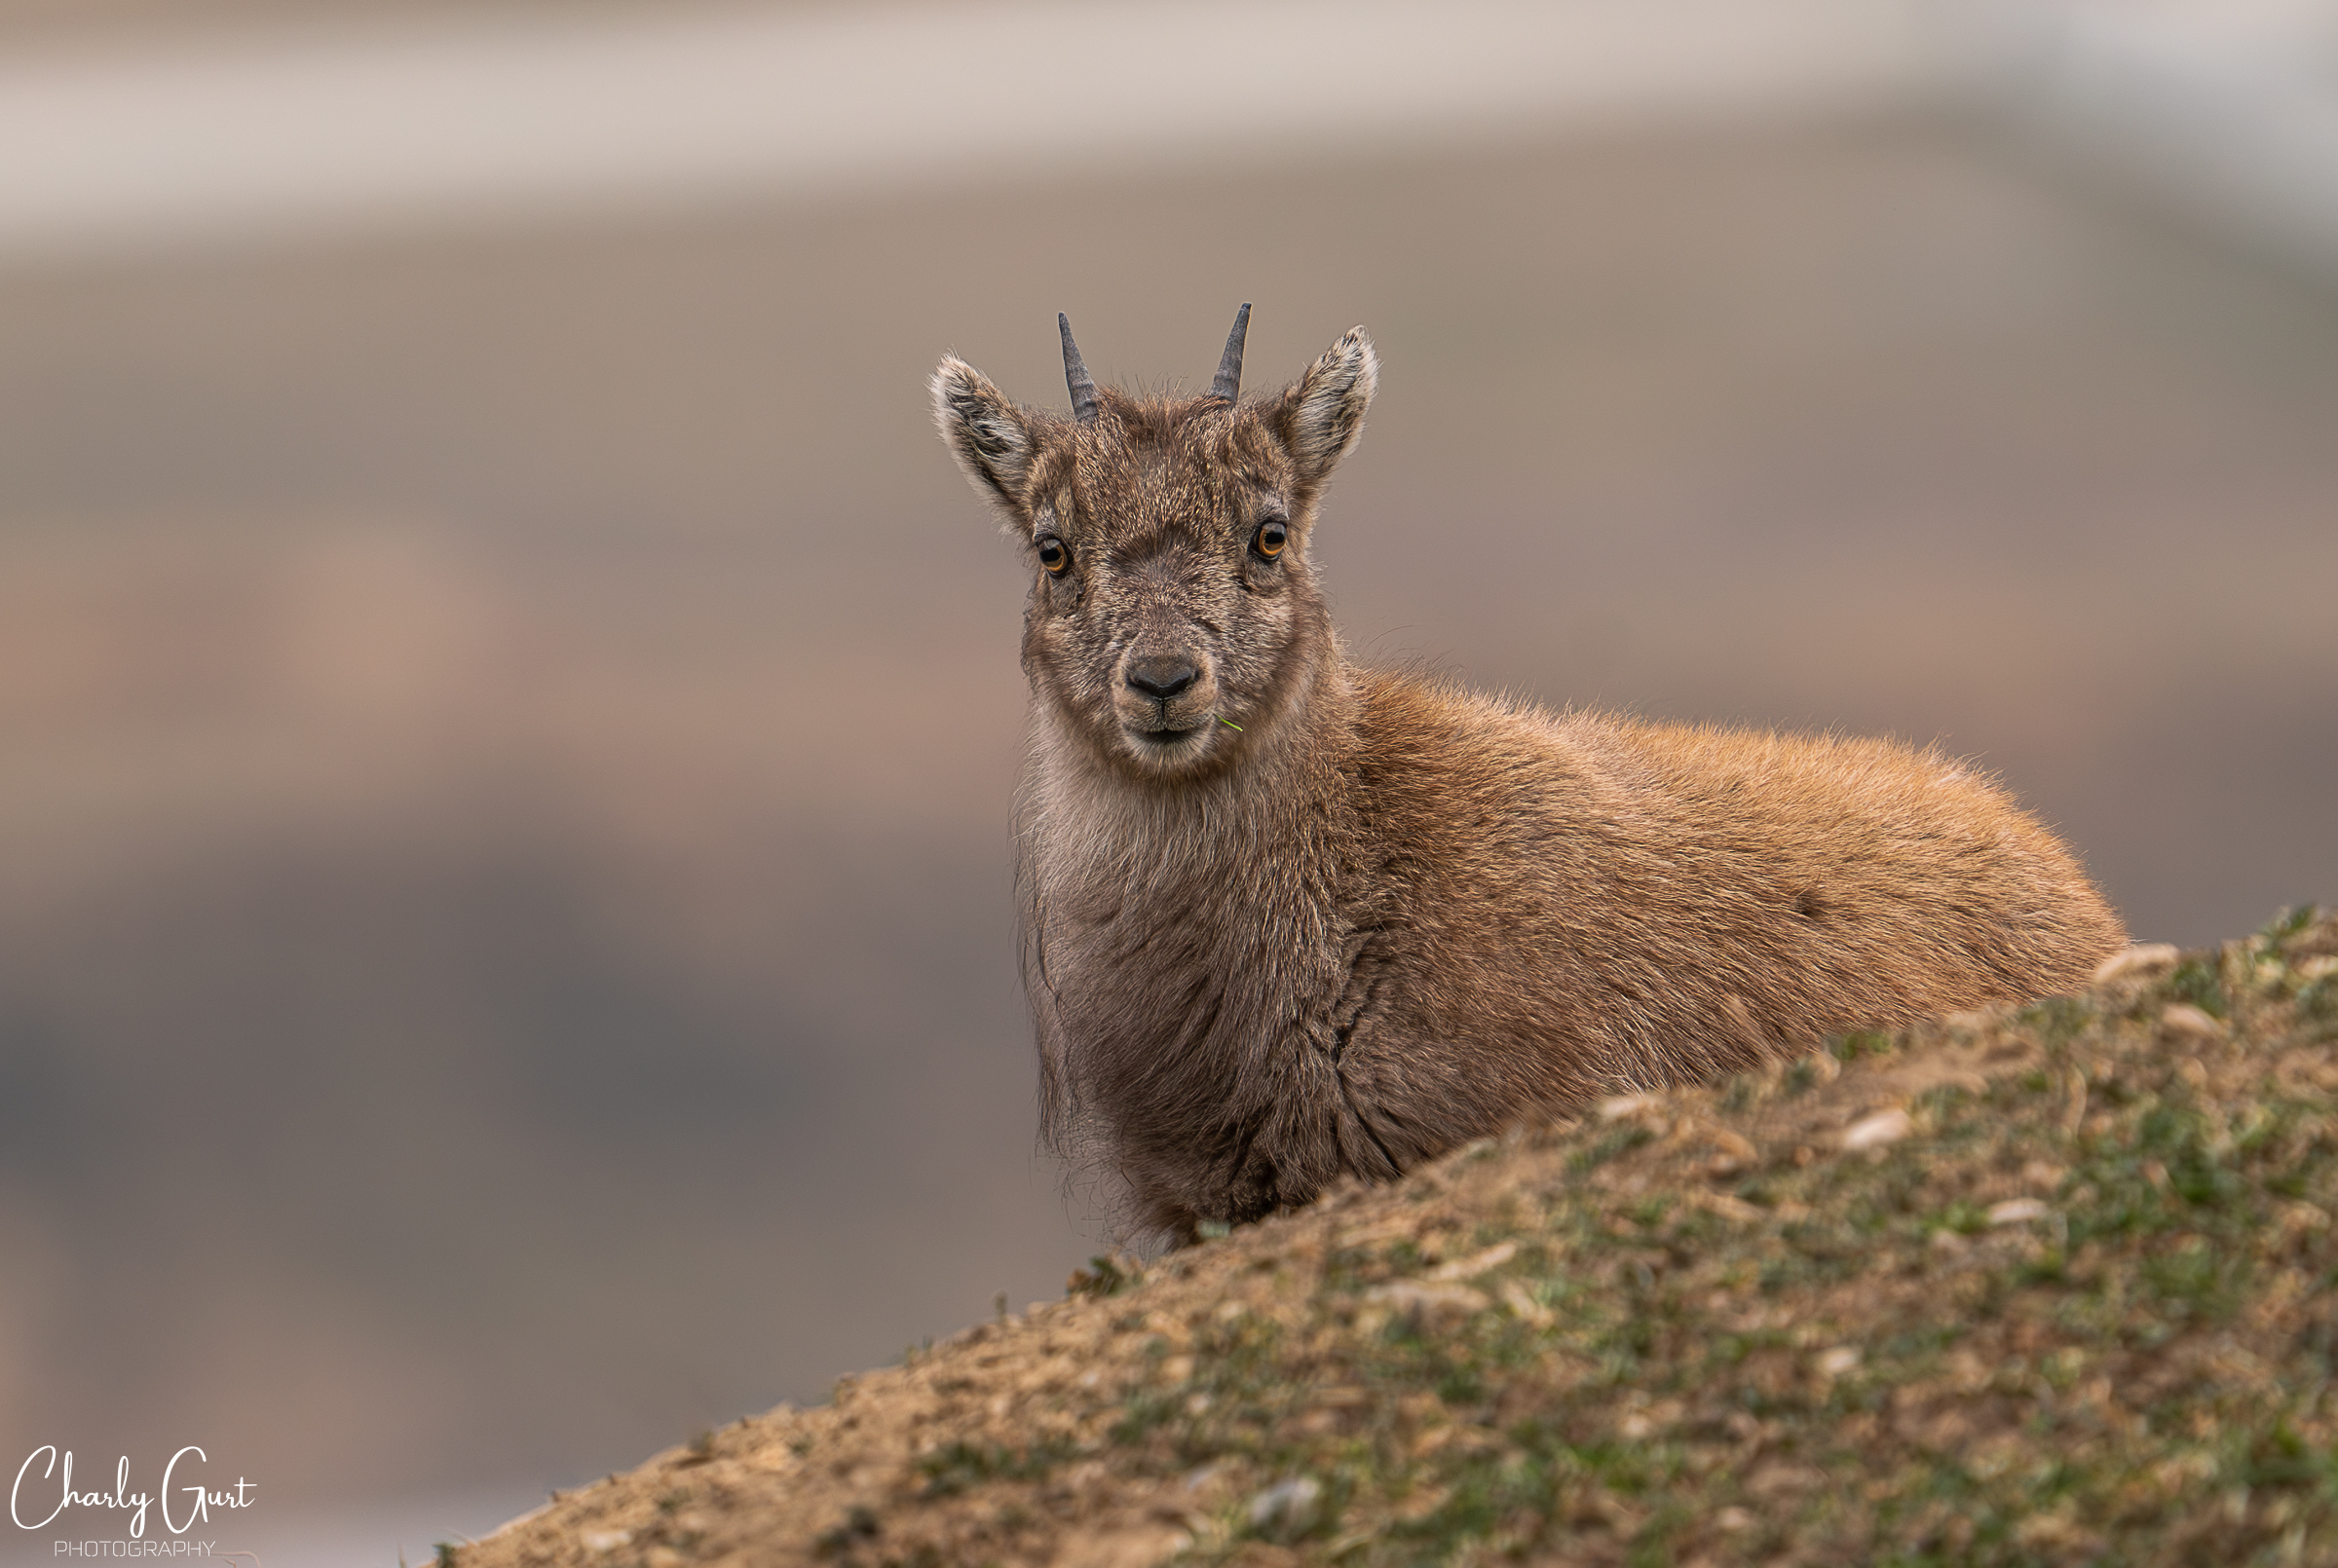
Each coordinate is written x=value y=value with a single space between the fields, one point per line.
x=1190 y=949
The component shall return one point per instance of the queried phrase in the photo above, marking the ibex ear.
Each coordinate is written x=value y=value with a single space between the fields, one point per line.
x=986 y=433
x=1321 y=415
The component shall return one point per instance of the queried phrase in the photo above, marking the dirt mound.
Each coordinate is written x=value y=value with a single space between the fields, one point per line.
x=2041 y=1286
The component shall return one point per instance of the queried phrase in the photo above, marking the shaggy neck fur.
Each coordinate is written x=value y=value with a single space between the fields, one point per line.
x=1213 y=910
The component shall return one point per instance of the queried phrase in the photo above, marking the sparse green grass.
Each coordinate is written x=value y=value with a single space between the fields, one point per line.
x=959 y=1466
x=2037 y=1329
x=2070 y=1297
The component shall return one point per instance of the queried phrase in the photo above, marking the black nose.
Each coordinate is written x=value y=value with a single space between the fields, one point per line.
x=1162 y=678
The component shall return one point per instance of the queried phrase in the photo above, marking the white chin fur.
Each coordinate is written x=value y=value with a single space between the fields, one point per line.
x=1168 y=754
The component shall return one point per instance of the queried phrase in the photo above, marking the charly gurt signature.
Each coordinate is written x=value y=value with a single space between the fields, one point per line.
x=56 y=1492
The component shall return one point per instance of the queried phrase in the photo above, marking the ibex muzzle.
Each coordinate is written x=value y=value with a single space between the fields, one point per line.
x=1161 y=676
x=1286 y=919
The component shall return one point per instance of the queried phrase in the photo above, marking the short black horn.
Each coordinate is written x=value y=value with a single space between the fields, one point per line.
x=1076 y=374
x=1229 y=384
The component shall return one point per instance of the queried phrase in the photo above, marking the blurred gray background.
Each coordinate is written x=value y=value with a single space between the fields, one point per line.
x=509 y=715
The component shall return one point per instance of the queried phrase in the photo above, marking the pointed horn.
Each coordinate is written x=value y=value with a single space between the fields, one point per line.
x=1076 y=374
x=1229 y=384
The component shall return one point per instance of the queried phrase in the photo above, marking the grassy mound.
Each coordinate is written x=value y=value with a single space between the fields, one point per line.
x=2047 y=1285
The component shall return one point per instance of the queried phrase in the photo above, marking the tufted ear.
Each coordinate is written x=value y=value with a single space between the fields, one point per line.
x=989 y=435
x=1321 y=415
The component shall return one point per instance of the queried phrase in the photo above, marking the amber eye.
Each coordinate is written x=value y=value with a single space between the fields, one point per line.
x=1053 y=556
x=1273 y=535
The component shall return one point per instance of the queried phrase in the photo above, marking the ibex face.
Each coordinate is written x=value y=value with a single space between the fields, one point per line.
x=1174 y=613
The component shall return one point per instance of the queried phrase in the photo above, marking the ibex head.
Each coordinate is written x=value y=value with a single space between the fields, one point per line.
x=1175 y=620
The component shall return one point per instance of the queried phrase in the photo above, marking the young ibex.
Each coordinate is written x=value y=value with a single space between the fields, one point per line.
x=1287 y=919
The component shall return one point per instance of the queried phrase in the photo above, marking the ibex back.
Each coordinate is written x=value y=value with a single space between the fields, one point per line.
x=1286 y=918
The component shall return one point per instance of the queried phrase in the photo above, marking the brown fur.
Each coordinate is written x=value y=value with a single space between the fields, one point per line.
x=1383 y=916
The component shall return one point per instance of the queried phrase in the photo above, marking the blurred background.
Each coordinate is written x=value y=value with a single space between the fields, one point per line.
x=508 y=717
